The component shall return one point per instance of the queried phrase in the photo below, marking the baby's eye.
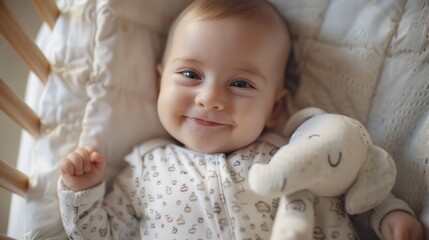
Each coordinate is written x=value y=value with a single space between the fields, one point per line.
x=241 y=84
x=191 y=74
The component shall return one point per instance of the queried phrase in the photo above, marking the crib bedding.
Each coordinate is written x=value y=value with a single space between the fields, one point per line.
x=366 y=59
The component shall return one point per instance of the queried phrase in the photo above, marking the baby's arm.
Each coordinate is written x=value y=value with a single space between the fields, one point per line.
x=82 y=169
x=86 y=214
x=392 y=218
x=399 y=225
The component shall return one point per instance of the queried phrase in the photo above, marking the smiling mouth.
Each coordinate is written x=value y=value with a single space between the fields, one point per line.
x=205 y=123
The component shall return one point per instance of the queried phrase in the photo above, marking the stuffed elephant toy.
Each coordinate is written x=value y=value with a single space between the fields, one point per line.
x=328 y=156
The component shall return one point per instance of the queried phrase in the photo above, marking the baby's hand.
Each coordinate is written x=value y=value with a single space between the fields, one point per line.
x=84 y=168
x=399 y=225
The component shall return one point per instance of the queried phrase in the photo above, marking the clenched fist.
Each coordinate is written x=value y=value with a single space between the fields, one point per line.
x=83 y=168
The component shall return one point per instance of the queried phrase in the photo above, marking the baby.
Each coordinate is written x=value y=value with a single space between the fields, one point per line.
x=221 y=85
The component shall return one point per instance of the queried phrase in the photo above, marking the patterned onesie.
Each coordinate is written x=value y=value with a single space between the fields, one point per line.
x=170 y=192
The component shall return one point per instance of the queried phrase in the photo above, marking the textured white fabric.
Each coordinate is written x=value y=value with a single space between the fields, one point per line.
x=170 y=192
x=101 y=84
x=364 y=58
x=399 y=117
x=368 y=60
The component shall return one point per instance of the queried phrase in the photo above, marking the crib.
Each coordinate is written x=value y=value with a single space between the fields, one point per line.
x=94 y=84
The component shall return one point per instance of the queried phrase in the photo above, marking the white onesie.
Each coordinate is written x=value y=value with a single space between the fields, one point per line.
x=170 y=192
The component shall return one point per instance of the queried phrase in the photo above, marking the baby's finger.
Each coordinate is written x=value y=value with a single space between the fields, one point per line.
x=387 y=232
x=399 y=235
x=98 y=159
x=85 y=155
x=77 y=161
x=83 y=152
x=416 y=234
x=66 y=166
x=89 y=149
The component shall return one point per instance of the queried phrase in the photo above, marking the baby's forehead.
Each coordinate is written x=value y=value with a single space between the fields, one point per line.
x=268 y=20
x=276 y=32
x=252 y=11
x=273 y=36
x=271 y=42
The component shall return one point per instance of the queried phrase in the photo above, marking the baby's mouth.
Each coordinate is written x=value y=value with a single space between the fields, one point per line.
x=204 y=122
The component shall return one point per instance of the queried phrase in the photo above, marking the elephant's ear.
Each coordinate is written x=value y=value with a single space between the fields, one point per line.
x=298 y=118
x=374 y=182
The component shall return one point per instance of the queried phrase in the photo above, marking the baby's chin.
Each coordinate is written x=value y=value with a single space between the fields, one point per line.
x=204 y=149
x=212 y=143
x=210 y=149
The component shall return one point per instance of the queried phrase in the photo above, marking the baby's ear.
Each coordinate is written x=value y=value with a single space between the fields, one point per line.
x=158 y=74
x=277 y=109
x=158 y=70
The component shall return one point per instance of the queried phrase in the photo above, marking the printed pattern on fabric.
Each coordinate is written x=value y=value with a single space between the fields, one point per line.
x=204 y=196
x=174 y=193
x=331 y=219
x=170 y=192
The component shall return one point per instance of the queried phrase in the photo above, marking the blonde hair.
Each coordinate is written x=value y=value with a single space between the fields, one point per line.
x=258 y=11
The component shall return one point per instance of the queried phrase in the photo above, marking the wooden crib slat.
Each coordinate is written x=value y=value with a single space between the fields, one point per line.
x=23 y=44
x=13 y=105
x=48 y=10
x=13 y=180
x=4 y=237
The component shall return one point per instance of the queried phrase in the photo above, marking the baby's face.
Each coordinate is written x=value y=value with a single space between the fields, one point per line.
x=220 y=83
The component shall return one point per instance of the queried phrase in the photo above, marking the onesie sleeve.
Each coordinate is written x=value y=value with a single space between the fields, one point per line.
x=391 y=203
x=86 y=215
x=374 y=217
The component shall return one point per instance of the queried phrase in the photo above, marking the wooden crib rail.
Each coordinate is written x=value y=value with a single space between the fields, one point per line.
x=48 y=10
x=23 y=44
x=13 y=106
x=13 y=180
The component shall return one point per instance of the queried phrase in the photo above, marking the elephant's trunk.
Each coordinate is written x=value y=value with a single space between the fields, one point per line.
x=274 y=179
